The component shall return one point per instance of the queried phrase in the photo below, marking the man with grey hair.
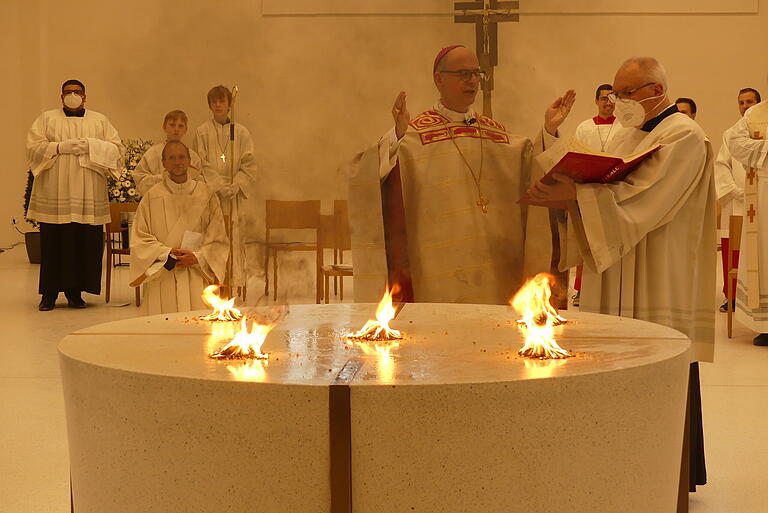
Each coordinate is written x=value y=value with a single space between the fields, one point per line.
x=648 y=243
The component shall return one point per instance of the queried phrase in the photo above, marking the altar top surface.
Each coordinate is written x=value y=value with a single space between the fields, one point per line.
x=442 y=344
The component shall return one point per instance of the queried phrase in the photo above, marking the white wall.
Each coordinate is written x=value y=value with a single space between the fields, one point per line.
x=316 y=89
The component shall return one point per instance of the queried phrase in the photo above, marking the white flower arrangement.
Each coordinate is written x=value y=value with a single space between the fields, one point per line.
x=122 y=189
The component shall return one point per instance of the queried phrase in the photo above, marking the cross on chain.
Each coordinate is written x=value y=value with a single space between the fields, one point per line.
x=751 y=213
x=486 y=15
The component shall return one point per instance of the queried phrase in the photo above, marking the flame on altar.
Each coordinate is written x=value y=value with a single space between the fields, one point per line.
x=378 y=330
x=539 y=318
x=247 y=343
x=223 y=308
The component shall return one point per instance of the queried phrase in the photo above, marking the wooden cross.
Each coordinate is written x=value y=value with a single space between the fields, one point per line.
x=486 y=15
x=751 y=176
x=751 y=213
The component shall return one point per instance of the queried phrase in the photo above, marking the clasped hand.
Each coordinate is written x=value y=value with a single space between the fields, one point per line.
x=184 y=257
x=563 y=189
x=73 y=146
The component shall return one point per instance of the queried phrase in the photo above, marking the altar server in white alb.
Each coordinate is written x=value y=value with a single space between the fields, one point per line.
x=730 y=177
x=149 y=170
x=70 y=151
x=648 y=243
x=748 y=143
x=451 y=229
x=178 y=241
x=234 y=172
x=599 y=131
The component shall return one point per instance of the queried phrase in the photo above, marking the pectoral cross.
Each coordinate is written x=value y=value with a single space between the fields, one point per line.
x=482 y=202
x=223 y=158
x=751 y=213
x=486 y=15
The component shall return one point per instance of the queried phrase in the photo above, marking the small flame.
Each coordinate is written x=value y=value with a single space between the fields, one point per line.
x=379 y=329
x=223 y=309
x=246 y=344
x=539 y=319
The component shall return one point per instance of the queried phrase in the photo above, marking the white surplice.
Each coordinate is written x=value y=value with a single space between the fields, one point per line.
x=729 y=184
x=212 y=143
x=648 y=242
x=597 y=133
x=149 y=170
x=753 y=153
x=169 y=214
x=72 y=188
x=457 y=253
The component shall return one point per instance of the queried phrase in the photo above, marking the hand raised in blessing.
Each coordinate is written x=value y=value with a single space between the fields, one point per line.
x=558 y=111
x=400 y=115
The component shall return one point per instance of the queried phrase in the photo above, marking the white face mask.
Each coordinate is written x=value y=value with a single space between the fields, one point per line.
x=73 y=101
x=631 y=114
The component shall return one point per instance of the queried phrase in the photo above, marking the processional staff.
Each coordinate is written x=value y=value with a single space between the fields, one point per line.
x=230 y=266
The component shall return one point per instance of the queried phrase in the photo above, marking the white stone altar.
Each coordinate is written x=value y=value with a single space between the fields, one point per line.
x=450 y=420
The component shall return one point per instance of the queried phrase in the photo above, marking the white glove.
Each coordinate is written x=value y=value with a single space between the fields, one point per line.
x=229 y=191
x=70 y=146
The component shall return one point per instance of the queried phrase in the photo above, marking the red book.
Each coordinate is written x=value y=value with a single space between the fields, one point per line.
x=585 y=165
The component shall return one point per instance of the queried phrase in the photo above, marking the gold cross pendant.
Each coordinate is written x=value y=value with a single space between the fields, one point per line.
x=482 y=202
x=223 y=158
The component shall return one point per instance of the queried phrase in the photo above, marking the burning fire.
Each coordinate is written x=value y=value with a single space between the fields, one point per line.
x=246 y=344
x=539 y=319
x=223 y=309
x=379 y=330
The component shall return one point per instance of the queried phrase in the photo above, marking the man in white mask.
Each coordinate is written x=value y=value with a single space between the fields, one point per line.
x=70 y=150
x=648 y=243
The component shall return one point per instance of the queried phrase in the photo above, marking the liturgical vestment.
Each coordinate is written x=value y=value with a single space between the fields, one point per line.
x=648 y=242
x=149 y=170
x=212 y=142
x=168 y=216
x=431 y=235
x=747 y=141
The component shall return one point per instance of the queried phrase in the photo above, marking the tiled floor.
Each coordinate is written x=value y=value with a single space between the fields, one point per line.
x=33 y=447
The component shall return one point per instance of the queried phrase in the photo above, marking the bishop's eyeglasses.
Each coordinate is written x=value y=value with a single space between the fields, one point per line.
x=467 y=74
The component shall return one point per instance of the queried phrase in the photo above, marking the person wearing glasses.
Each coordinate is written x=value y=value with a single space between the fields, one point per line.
x=647 y=242
x=730 y=176
x=451 y=177
x=70 y=150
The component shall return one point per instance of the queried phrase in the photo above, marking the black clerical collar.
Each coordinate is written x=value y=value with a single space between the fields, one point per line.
x=654 y=122
x=74 y=113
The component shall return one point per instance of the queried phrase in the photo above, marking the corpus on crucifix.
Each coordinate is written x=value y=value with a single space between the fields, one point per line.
x=486 y=15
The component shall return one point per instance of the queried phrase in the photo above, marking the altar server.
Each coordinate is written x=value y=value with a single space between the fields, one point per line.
x=149 y=170
x=647 y=243
x=451 y=229
x=729 y=184
x=687 y=106
x=234 y=172
x=70 y=150
x=599 y=131
x=178 y=240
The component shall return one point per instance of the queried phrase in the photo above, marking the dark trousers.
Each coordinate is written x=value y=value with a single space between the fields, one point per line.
x=70 y=258
x=698 y=472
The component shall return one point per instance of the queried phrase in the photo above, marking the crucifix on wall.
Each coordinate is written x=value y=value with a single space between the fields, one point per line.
x=486 y=15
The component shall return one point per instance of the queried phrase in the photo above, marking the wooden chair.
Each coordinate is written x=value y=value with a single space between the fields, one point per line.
x=291 y=215
x=113 y=228
x=342 y=241
x=734 y=234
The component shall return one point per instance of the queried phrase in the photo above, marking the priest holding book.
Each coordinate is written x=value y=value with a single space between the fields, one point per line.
x=648 y=242
x=433 y=204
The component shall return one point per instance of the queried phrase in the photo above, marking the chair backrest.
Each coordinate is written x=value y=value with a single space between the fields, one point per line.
x=734 y=232
x=115 y=209
x=326 y=235
x=343 y=234
x=293 y=214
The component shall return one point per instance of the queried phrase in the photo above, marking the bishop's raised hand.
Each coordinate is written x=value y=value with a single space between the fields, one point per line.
x=558 y=111
x=400 y=115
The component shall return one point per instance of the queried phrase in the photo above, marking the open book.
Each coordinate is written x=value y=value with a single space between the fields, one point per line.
x=586 y=165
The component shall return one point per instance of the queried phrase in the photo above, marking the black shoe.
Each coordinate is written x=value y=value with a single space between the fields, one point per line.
x=74 y=300
x=724 y=306
x=761 y=340
x=47 y=303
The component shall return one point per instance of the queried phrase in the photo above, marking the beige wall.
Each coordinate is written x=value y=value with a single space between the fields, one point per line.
x=314 y=90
